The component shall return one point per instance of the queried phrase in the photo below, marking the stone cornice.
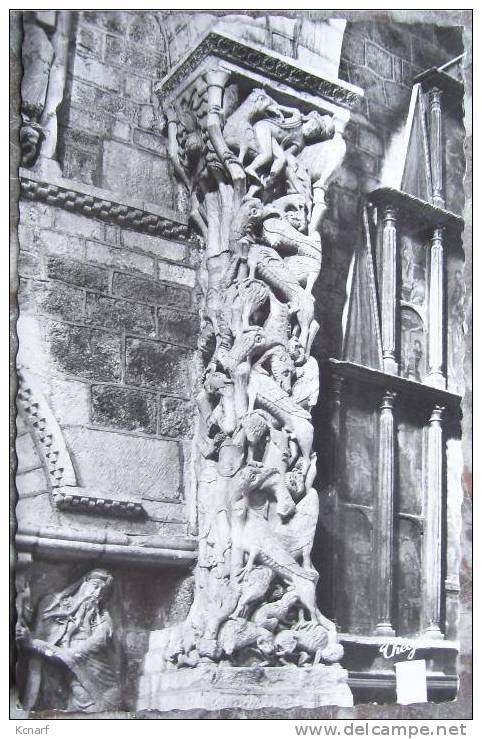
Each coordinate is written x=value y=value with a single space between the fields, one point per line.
x=99 y=203
x=269 y=63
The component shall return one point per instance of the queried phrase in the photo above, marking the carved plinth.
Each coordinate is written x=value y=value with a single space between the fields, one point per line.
x=213 y=687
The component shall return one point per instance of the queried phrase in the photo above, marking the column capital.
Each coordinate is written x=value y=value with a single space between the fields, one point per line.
x=336 y=384
x=436 y=415
x=389 y=213
x=388 y=400
x=435 y=96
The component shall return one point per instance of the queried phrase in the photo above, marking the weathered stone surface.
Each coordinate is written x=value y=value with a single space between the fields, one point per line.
x=124 y=408
x=125 y=465
x=27 y=456
x=55 y=300
x=379 y=60
x=84 y=351
x=128 y=169
x=157 y=365
x=137 y=88
x=77 y=273
x=119 y=258
x=150 y=291
x=78 y=225
x=242 y=687
x=61 y=244
x=175 y=273
x=90 y=42
x=177 y=418
x=153 y=245
x=98 y=73
x=151 y=142
x=122 y=315
x=178 y=326
x=353 y=49
x=70 y=402
x=28 y=265
x=35 y=214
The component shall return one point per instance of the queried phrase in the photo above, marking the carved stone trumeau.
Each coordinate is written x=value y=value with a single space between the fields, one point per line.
x=255 y=163
x=67 y=647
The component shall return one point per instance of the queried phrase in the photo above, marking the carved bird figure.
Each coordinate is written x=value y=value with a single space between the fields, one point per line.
x=298 y=532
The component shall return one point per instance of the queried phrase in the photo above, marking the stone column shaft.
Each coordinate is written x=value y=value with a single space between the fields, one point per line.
x=435 y=375
x=384 y=517
x=389 y=288
x=435 y=107
x=433 y=527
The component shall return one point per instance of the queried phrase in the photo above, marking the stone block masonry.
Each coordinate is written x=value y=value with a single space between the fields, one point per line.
x=107 y=320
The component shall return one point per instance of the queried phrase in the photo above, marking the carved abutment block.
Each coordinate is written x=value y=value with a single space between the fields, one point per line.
x=255 y=140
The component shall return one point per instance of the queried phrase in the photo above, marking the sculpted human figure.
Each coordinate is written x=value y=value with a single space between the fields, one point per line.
x=72 y=662
x=272 y=135
x=44 y=59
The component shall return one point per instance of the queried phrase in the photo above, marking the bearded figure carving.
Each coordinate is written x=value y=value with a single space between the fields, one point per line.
x=70 y=649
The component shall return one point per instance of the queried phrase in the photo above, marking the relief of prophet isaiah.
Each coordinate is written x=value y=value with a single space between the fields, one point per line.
x=255 y=171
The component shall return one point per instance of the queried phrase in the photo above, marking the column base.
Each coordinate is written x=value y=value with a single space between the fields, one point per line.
x=384 y=629
x=212 y=687
x=433 y=632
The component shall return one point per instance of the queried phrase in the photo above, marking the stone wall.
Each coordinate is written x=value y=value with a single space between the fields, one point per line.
x=114 y=325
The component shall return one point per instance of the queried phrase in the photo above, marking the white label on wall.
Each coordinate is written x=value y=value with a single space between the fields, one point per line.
x=411 y=679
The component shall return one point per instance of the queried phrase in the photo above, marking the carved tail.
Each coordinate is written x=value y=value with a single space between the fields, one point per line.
x=287 y=291
x=267 y=405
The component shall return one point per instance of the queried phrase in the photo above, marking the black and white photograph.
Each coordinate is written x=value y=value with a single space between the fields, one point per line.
x=240 y=366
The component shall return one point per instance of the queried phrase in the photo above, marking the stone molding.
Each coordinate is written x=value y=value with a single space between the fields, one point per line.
x=35 y=410
x=270 y=63
x=106 y=546
x=98 y=203
x=66 y=494
x=78 y=500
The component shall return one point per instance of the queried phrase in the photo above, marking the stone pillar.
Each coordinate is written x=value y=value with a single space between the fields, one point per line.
x=433 y=527
x=435 y=375
x=435 y=107
x=384 y=517
x=389 y=287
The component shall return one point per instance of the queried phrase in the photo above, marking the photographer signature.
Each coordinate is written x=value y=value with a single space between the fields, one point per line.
x=393 y=649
